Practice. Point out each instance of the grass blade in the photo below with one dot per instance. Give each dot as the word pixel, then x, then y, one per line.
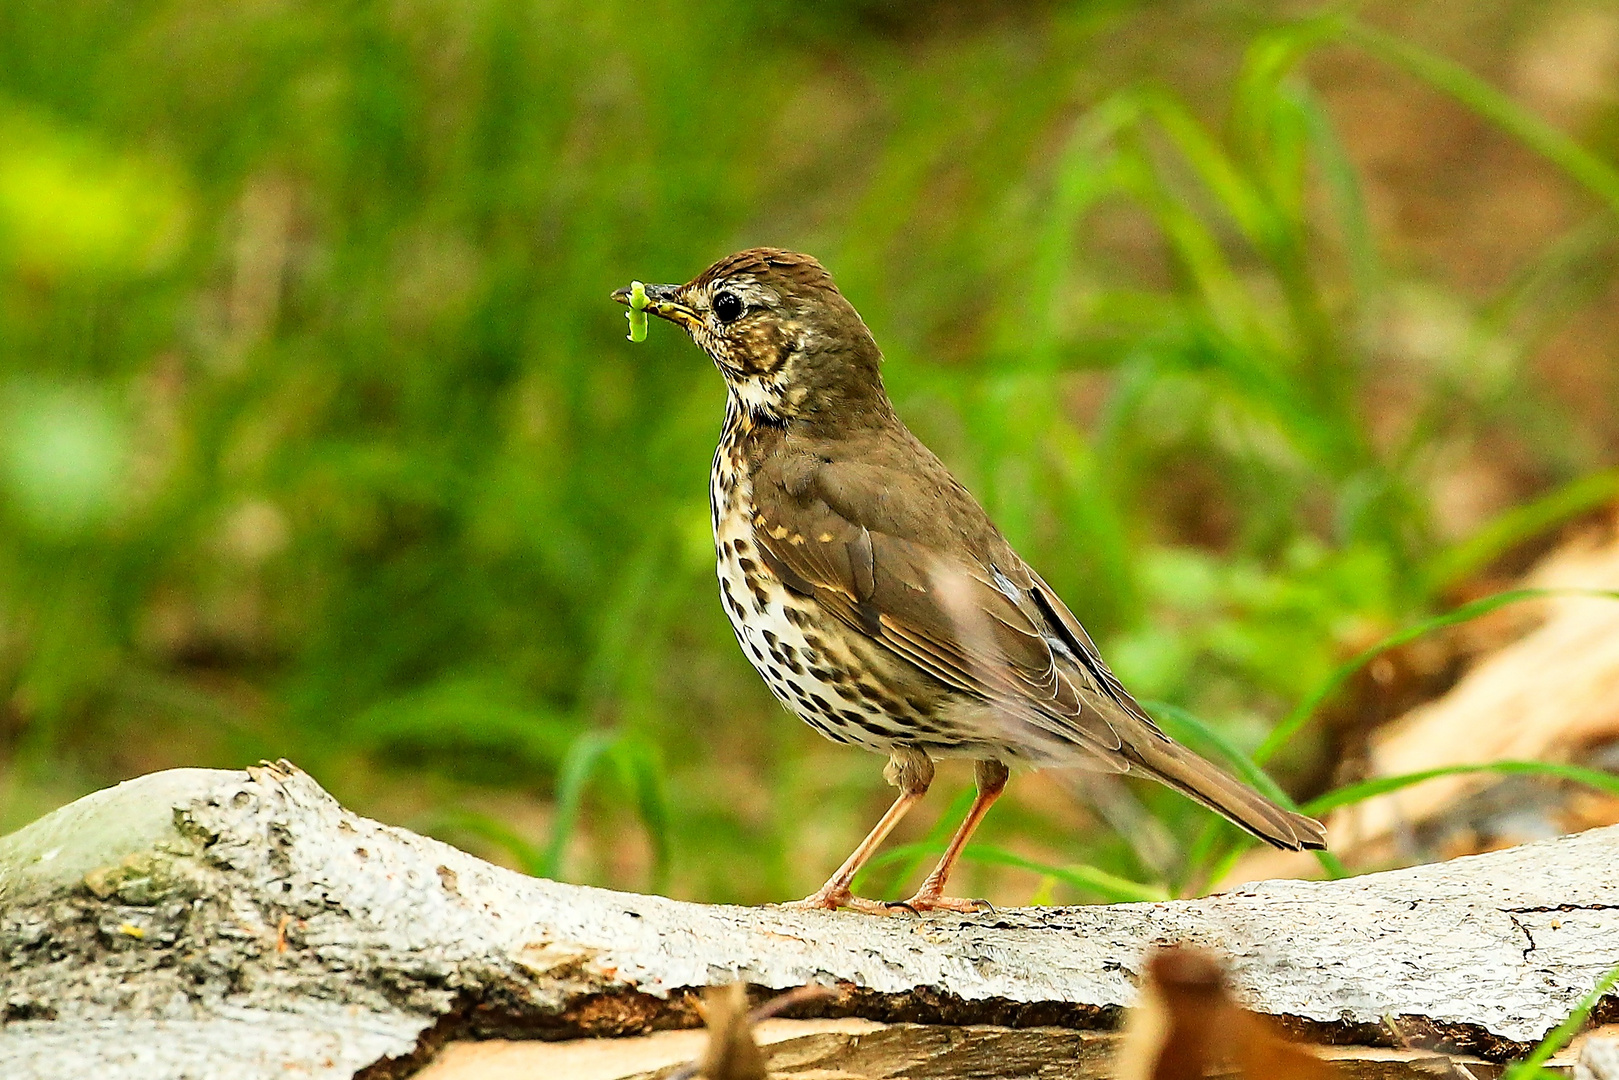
pixel 1601 178
pixel 1232 191
pixel 641 771
pixel 1366 789
pixel 1086 173
pixel 586 754
pixel 1248 766
pixel 1110 887
pixel 1224 301
pixel 1348 200
pixel 1530 1067
pixel 1517 525
pixel 1268 60
pixel 1305 711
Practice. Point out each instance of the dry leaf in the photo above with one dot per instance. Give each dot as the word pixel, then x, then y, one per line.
pixel 1187 1026
pixel 732 1054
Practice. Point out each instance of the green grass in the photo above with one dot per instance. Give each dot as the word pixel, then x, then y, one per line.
pixel 321 438
pixel 1531 1067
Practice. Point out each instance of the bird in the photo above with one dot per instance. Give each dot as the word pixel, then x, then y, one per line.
pixel 873 593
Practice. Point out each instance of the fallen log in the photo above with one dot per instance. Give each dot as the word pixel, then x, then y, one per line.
pixel 209 923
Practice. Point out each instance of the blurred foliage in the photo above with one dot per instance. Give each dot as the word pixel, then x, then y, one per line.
pixel 321 439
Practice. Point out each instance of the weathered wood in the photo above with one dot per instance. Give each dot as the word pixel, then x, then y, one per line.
pixel 833 1050
pixel 243 924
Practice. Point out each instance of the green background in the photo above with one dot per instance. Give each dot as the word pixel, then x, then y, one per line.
pixel 319 437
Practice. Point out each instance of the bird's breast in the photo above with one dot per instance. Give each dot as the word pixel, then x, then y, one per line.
pixel 844 685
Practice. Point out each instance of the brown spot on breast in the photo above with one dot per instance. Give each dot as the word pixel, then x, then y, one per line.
pixel 761 598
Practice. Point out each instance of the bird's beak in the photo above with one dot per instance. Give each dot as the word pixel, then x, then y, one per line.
pixel 662 301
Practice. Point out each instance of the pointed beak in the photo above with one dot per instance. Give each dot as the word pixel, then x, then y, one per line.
pixel 662 301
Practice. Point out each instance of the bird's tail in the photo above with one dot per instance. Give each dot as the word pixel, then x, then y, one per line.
pixel 1174 765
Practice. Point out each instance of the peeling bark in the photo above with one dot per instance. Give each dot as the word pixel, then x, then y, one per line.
pixel 243 924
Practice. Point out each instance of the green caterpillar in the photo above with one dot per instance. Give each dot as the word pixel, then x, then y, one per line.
pixel 637 312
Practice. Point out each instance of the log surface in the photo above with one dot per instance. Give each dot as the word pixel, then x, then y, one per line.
pixel 204 923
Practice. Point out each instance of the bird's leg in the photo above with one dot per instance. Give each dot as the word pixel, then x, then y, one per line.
pixel 991 777
pixel 911 771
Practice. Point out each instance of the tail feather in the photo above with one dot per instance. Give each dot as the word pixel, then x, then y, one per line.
pixel 1179 768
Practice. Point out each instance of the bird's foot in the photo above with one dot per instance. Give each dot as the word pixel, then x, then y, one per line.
pixel 925 901
pixel 829 898
pixel 825 899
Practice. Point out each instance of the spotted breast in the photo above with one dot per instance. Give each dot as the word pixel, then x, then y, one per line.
pixel 844 688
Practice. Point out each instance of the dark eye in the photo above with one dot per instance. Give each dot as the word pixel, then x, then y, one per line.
pixel 727 307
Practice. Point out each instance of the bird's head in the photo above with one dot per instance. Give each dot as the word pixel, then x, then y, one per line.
pixel 788 343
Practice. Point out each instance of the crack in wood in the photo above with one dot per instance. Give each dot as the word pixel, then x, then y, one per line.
pixel 1561 907
pixel 1524 930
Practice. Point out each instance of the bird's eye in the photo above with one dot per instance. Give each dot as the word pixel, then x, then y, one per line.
pixel 727 307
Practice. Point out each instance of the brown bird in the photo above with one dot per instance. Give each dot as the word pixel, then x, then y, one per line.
pixel 873 593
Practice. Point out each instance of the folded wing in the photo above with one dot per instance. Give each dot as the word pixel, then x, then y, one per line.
pixel 994 631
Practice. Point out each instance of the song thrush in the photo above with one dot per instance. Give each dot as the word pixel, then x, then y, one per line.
pixel 872 592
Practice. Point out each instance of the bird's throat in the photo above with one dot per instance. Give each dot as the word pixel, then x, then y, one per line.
pixel 763 399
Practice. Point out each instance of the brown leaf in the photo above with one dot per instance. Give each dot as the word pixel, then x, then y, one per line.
pixel 732 1053
pixel 1187 1026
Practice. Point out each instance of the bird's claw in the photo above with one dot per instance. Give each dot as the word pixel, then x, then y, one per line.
pixel 832 900
pixel 921 903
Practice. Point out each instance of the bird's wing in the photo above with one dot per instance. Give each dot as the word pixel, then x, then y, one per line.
pixel 1084 649
pixel 968 625
pixel 984 625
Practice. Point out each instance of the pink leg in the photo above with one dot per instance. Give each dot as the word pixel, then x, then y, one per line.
pixel 992 777
pixel 909 770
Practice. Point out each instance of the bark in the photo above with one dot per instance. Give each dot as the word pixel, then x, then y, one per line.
pixel 201 923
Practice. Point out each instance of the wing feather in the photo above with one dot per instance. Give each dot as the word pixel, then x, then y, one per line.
pixel 953 619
